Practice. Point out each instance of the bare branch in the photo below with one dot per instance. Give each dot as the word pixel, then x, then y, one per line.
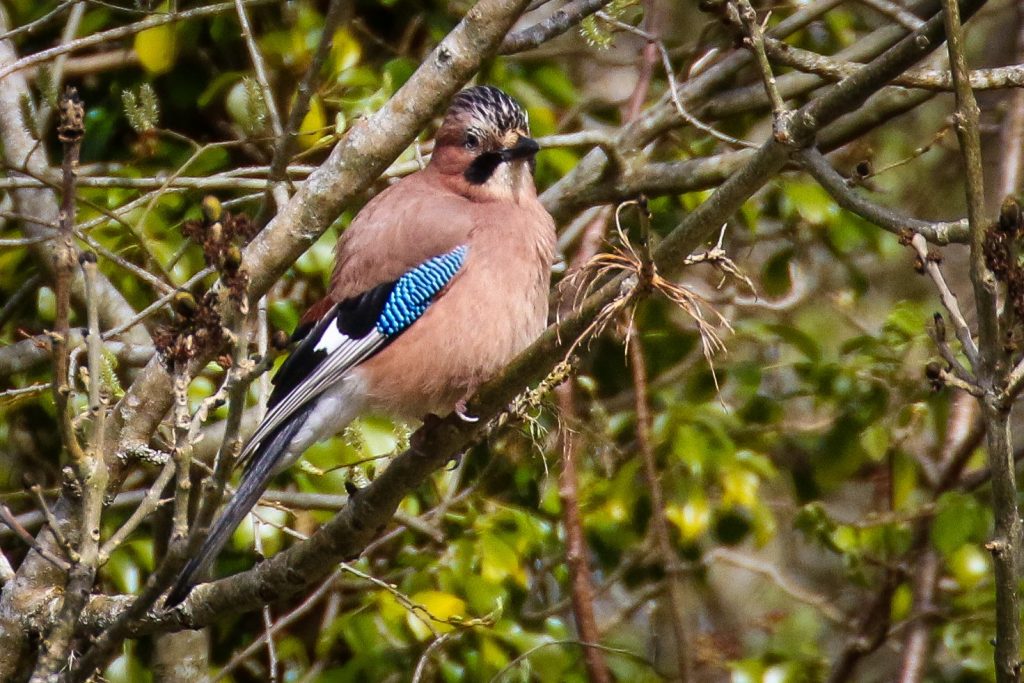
pixel 949 301
pixel 1005 546
pixel 300 107
pixel 558 23
pixel 12 523
pixel 907 19
pixel 676 606
pixel 833 68
pixel 747 17
pixel 888 219
pixel 115 34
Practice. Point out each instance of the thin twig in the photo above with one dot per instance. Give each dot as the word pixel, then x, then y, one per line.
pixel 12 523
pixel 260 68
pixel 36 24
pixel 115 34
pixel 755 39
pixel 23 392
pixel 300 107
pixel 949 300
pixel 834 68
pixel 157 305
pixel 905 18
pixel 268 619
pixel 284 622
pixel 888 219
pixel 677 100
pixel 771 571
pixel 511 666
pixel 149 503
pixel 52 523
pixel 424 661
pixel 659 527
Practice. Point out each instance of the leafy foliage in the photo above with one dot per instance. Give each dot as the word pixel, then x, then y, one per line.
pixel 796 474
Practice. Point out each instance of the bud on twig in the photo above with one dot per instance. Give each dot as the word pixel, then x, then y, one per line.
pixel 212 209
pixel 184 304
pixel 1010 215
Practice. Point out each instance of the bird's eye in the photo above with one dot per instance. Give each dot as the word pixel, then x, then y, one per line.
pixel 472 142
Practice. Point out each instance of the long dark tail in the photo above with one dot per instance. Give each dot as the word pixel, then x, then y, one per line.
pixel 254 481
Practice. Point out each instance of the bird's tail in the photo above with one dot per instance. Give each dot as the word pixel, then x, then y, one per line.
pixel 262 467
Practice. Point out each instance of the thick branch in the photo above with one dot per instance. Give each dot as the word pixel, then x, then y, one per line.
pixel 353 165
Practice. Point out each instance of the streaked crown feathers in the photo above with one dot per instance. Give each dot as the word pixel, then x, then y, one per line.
pixel 488 106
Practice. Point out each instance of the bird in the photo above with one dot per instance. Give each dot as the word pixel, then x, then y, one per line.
pixel 439 281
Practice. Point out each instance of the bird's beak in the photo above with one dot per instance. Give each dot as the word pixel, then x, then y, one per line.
pixel 524 148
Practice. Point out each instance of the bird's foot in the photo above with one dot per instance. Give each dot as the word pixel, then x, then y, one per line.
pixel 456 460
pixel 460 410
pixel 417 442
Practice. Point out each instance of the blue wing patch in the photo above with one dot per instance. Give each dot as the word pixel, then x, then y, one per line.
pixel 414 291
pixel 351 332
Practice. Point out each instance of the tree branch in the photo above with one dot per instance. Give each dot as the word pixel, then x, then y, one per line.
pixel 115 34
pixel 558 23
pixel 21 151
pixel 888 219
pixel 1005 546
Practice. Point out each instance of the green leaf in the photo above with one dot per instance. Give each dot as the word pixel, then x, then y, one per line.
pixel 959 519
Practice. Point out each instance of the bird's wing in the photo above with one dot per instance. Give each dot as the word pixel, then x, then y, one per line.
pixel 401 227
pixel 352 331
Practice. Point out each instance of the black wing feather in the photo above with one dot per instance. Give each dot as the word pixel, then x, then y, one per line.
pixel 355 318
pixel 258 473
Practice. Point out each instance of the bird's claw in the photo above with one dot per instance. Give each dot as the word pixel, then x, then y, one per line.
pixel 456 460
pixel 460 410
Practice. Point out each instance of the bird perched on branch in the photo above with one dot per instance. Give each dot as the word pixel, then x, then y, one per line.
pixel 439 281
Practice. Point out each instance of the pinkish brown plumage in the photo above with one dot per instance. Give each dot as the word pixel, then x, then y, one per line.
pixel 493 308
pixel 439 282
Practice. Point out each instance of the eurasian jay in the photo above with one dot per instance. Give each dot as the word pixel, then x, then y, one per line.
pixel 439 282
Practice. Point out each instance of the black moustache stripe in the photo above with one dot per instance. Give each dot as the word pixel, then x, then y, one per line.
pixel 483 167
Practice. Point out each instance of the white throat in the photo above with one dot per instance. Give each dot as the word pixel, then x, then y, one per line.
pixel 511 181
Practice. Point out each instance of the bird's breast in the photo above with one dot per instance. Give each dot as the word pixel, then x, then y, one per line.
pixel 494 308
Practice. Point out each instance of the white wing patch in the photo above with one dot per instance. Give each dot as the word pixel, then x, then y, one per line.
pixel 331 340
pixel 342 353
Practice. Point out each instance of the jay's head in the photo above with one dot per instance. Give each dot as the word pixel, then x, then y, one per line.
pixel 484 144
